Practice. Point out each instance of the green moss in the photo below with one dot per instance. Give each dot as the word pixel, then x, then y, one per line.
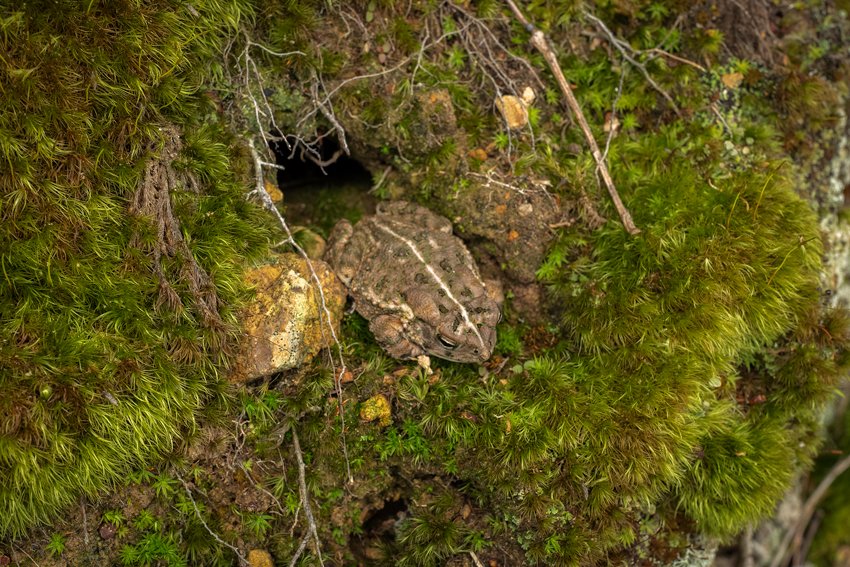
pixel 655 325
pixel 98 373
pixel 641 402
pixel 641 405
pixel 681 383
pixel 689 361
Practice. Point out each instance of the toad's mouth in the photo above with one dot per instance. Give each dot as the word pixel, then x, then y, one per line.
pixel 456 351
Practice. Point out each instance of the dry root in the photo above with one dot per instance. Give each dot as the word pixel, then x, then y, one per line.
pixel 152 201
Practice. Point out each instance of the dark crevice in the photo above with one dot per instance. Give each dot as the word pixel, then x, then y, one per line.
pixel 306 169
pixel 317 194
pixel 383 521
pixel 379 528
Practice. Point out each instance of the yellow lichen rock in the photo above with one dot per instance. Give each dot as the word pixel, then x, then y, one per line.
pixel 513 110
pixel 274 192
pixel 377 408
pixel 285 324
pixel 260 558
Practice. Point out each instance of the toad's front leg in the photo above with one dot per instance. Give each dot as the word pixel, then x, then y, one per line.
pixel 339 253
pixel 389 331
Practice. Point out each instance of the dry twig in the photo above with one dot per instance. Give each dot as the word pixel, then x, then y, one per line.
pixel 538 40
pixel 301 547
pixel 251 84
pixel 492 57
pixel 626 51
pixel 85 522
pixel 266 200
pixel 746 548
pixel 612 123
pixel 793 539
pixel 263 489
pixel 676 58
pixel 15 550
pixel 811 531
pixel 242 559
pixel 305 496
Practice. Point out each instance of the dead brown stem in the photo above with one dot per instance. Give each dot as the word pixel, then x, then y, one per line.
pixel 152 201
pixel 538 40
pixel 793 539
pixel 305 496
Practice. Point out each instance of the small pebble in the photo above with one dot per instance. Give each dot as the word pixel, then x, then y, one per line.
pixel 107 531
pixel 513 110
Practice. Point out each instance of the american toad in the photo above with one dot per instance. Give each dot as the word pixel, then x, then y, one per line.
pixel 416 284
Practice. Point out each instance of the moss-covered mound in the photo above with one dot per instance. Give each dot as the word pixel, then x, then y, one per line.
pixel 677 379
pixel 647 391
pixel 690 361
pixel 122 228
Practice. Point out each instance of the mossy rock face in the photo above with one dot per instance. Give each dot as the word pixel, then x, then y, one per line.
pixel 670 392
pixel 680 369
pixel 511 217
pixel 124 228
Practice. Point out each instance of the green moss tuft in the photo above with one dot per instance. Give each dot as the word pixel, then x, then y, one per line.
pixel 741 469
pixel 109 350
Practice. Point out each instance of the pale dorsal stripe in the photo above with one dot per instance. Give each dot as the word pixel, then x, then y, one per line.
pixel 464 314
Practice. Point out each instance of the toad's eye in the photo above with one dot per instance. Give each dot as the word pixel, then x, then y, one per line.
pixel 446 342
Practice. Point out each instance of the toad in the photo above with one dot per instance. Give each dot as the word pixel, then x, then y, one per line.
pixel 416 283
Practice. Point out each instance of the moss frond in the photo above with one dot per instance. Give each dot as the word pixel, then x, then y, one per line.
pixel 96 377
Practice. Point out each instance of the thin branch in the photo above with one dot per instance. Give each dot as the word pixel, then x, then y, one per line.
pixel 85 522
pixel 538 40
pixel 262 489
pixel 719 116
pixel 344 82
pixel 622 46
pixel 243 560
pixel 320 104
pixel 612 123
pixel 301 547
pixel 266 200
pixel 794 536
pixel 327 111
pixel 271 52
pixel 322 163
pixel 381 179
pixel 746 547
pixel 694 64
pixel 305 497
pixel 24 551
pixel 478 47
pixel 488 31
pixel 811 531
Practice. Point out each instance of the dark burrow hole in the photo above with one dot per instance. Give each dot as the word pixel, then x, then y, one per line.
pixel 311 183
pixel 379 528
